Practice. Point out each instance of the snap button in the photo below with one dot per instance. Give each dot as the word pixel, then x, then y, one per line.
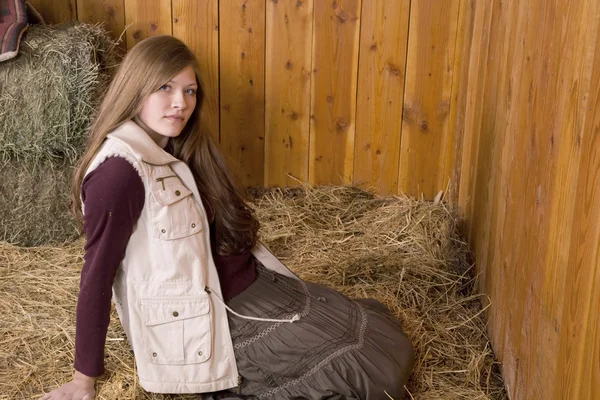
pixel 199 353
pixel 163 230
pixel 154 354
pixel 175 314
pixel 193 225
pixel 177 193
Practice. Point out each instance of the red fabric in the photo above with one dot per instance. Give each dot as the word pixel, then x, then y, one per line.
pixel 13 22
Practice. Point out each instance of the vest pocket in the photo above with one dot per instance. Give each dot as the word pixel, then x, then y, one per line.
pixel 176 214
pixel 176 330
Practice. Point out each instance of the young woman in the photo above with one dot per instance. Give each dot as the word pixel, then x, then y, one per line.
pixel 206 308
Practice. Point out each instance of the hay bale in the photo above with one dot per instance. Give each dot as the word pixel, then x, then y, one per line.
pixel 34 204
pixel 49 91
pixel 405 253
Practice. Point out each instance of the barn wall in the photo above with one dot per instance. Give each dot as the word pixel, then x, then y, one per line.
pixel 529 106
pixel 312 90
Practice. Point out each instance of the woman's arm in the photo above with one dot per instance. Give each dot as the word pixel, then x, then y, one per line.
pixel 113 195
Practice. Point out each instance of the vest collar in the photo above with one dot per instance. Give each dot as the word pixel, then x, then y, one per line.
pixel 143 147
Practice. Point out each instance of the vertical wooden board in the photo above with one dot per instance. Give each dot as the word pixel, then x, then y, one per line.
pixel 428 89
pixel 381 73
pixel 196 23
pixel 579 349
pixel 145 18
pixel 580 327
pixel 333 98
pixel 287 90
pixel 458 105
pixel 542 112
pixel 242 83
pixel 473 111
pixel 56 11
pixel 492 169
pixel 109 12
pixel 521 186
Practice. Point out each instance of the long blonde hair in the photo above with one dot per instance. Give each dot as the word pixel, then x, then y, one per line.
pixel 146 67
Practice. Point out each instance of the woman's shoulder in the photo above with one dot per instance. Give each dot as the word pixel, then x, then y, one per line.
pixel 116 178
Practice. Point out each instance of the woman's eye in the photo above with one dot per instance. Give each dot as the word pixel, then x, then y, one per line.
pixel 164 87
pixel 190 91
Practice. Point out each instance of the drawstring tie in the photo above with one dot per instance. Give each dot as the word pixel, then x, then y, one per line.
pixel 295 318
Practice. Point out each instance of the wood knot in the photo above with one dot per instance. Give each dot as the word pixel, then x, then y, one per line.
pixel 424 126
pixel 342 17
pixel 288 65
pixel 137 34
pixel 153 26
pixel 330 99
pixel 110 10
pixel 373 46
pixel 394 70
pixel 341 124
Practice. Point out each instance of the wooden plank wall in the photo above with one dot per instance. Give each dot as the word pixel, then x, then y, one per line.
pixel 527 126
pixel 326 92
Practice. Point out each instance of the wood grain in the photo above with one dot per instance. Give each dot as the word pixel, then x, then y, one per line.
pixel 429 70
pixel 242 87
pixel 333 96
pixel 196 23
pixel 528 179
pixel 145 18
pixel 287 91
pixel 56 11
pixel 383 44
pixel 111 13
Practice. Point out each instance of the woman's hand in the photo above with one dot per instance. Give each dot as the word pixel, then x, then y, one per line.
pixel 80 388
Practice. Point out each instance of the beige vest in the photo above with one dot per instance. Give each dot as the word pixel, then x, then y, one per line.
pixel 177 328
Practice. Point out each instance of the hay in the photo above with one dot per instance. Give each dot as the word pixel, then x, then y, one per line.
pixel 405 253
pixel 34 204
pixel 48 93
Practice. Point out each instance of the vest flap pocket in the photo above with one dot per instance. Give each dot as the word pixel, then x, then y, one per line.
pixel 167 193
pixel 158 311
pixel 177 330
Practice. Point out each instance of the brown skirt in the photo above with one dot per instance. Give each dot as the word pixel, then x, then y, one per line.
pixel 339 349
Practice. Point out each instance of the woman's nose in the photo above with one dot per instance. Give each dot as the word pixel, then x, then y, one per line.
pixel 179 100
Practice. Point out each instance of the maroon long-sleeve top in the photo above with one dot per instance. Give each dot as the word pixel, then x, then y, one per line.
pixel 113 196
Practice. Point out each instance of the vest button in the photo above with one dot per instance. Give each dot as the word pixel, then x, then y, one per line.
pixel 154 354
pixel 193 225
pixel 175 314
pixel 200 353
pixel 163 230
pixel 177 193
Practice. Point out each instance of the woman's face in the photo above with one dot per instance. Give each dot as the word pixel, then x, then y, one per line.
pixel 166 111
